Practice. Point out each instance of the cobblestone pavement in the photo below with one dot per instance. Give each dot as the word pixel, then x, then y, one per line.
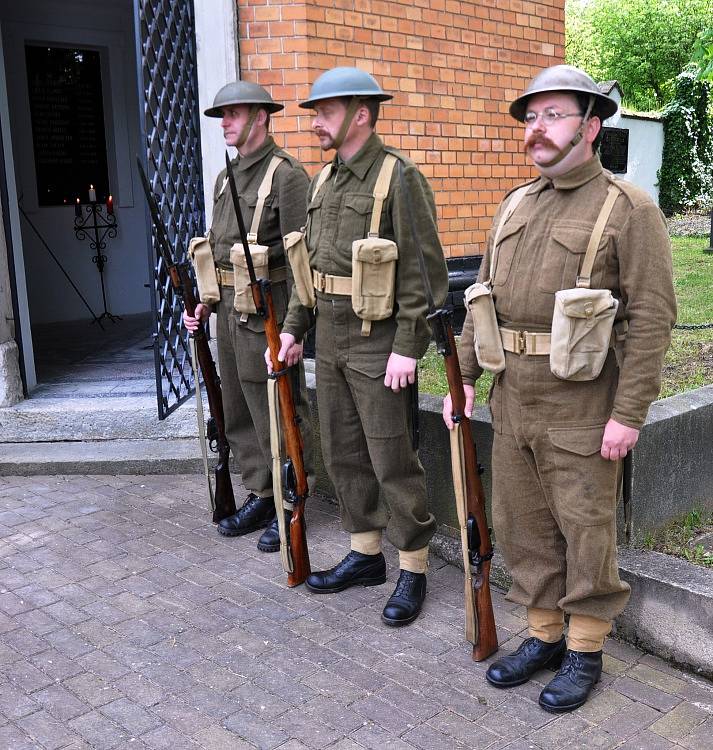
pixel 126 621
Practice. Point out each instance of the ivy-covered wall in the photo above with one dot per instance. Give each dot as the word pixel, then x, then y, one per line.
pixel 686 174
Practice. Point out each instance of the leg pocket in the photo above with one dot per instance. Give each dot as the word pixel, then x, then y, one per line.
pixel 383 413
pixel 585 483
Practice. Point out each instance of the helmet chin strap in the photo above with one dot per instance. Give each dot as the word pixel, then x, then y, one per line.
pixel 352 107
pixel 245 132
pixel 575 140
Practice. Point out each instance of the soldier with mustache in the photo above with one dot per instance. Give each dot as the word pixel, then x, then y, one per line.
pixel 359 254
pixel 559 441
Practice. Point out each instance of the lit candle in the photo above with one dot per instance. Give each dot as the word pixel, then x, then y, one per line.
pixel 77 208
pixel 110 206
pixel 92 194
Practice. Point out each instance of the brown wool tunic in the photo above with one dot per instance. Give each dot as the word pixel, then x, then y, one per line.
pixel 554 496
pixel 541 250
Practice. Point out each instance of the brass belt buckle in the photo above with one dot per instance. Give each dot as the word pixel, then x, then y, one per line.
pixel 322 279
pixel 521 342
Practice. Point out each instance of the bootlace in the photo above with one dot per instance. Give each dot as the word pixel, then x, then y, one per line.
pixel 251 500
pixel 406 580
pixel 571 663
pixel 345 562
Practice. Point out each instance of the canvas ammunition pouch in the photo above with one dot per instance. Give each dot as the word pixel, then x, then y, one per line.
pixel 298 258
pixel 479 302
pixel 374 260
pixel 298 255
pixel 201 257
pixel 583 318
pixel 243 300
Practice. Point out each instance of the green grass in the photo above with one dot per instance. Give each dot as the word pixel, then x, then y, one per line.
pixel 677 538
pixel 689 361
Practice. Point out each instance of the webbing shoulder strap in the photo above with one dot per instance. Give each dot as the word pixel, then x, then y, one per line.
pixel 508 211
pixel 585 275
pixel 262 192
pixel 381 190
pixel 323 177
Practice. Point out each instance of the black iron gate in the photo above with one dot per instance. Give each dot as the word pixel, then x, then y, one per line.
pixel 168 98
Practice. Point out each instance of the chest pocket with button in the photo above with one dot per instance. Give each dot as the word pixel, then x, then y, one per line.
pixel 563 255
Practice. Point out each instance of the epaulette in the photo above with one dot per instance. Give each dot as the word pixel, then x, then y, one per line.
pixel 633 193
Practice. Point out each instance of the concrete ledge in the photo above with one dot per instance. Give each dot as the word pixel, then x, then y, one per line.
pixel 174 456
pixel 670 613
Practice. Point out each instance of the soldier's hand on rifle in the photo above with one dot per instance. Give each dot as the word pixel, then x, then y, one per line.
pixel 618 440
pixel 469 391
pixel 400 371
pixel 202 314
pixel 290 351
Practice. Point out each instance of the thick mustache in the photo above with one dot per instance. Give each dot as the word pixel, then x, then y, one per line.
pixel 535 138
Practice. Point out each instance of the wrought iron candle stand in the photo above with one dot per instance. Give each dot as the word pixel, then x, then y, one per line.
pixel 91 223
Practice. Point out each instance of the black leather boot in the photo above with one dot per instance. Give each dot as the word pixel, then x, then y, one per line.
pixel 570 687
pixel 255 513
pixel 404 605
pixel 269 541
pixel 532 655
pixel 356 569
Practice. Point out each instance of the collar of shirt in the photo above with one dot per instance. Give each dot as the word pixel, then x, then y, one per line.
pixel 571 180
pixel 360 163
pixel 245 162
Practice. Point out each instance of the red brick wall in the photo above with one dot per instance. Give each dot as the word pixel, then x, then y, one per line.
pixel 453 68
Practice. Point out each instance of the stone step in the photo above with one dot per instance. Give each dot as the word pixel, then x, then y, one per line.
pixel 94 419
pixel 152 456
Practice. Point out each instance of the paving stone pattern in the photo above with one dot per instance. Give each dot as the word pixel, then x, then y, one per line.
pixel 126 621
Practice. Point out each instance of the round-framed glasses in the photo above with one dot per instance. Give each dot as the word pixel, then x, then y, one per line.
pixel 548 116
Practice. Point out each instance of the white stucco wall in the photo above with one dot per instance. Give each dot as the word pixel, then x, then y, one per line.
pixel 645 147
pixel 217 53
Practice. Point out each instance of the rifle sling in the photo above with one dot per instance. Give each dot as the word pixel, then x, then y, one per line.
pixel 201 422
pixel 275 443
pixel 459 489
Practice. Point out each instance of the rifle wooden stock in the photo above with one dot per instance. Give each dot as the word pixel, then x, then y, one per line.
pixel 294 446
pixel 478 548
pixel 224 502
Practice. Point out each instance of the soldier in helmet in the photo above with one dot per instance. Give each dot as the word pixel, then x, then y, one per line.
pixel 574 245
pixel 360 254
pixel 244 111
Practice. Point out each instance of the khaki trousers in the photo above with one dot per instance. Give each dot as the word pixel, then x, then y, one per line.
pixel 554 496
pixel 366 431
pixel 243 377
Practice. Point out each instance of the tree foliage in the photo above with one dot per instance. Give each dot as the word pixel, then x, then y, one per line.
pixel 642 44
pixel 703 54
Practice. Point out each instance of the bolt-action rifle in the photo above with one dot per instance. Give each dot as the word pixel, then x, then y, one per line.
pixel 293 475
pixel 223 500
pixel 468 489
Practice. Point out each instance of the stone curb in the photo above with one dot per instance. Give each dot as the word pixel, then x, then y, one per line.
pixel 670 613
pixel 157 456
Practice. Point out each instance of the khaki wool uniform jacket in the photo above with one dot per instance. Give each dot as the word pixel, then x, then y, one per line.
pixel 554 496
pixel 242 343
pixel 365 427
